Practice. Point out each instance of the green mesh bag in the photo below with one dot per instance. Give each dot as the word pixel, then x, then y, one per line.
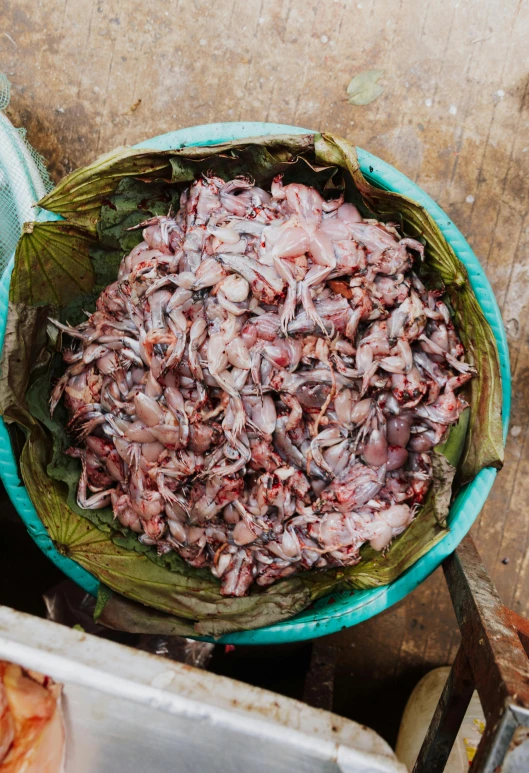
pixel 23 180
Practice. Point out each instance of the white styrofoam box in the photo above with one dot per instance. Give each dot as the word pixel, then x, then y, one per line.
pixel 127 710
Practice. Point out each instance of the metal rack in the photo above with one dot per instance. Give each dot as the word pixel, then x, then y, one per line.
pixel 493 659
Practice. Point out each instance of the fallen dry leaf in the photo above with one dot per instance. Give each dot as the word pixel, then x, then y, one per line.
pixel 364 87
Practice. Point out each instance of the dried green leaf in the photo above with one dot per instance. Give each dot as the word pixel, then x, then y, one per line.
pixel 452 448
pixel 24 350
pixel 133 202
pixel 80 196
pixel 445 459
pixel 52 264
pixel 364 87
pixel 121 614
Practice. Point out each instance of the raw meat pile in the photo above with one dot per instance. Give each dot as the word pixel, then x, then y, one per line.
pixel 261 388
pixel 32 733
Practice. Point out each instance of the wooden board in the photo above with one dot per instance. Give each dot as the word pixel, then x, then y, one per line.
pixel 89 75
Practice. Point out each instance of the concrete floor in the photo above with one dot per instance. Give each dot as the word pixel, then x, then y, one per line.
pixel 89 75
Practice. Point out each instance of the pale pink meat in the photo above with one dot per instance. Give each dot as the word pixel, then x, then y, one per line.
pixel 262 388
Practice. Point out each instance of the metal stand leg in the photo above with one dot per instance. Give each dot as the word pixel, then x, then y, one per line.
pixel 491 659
pixel 448 717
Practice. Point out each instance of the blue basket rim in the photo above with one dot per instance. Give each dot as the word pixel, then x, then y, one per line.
pixel 344 609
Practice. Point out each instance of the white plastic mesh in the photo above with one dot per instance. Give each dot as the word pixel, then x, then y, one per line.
pixel 5 91
pixel 23 180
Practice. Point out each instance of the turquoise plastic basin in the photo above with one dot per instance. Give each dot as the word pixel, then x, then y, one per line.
pixel 341 610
